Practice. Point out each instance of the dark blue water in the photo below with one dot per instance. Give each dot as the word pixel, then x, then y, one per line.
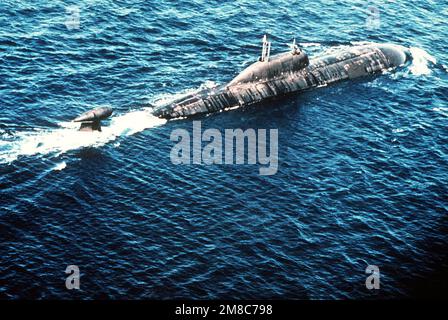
pixel 362 166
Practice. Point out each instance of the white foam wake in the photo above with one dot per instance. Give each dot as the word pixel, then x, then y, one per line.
pixel 67 137
pixel 421 61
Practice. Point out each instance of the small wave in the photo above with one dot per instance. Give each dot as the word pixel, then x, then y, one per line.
pixel 441 110
pixel 124 11
pixel 361 43
pixel 60 166
pixel 247 62
pixel 421 61
pixel 309 44
pixel 66 138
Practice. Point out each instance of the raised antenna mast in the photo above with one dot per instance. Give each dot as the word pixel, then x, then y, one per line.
pixel 266 51
pixel 294 47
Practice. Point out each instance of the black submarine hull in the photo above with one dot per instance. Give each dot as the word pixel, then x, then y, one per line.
pixel 91 120
pixel 247 89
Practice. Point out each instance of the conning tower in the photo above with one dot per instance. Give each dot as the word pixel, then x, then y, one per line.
pixel 268 68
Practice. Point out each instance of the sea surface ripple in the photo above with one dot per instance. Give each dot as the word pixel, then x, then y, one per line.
pixel 363 166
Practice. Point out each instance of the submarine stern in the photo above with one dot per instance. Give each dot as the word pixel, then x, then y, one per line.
pixel 91 120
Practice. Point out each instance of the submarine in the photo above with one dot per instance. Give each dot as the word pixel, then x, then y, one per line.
pixel 91 120
pixel 287 73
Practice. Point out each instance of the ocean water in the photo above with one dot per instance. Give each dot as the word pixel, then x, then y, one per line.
pixel 363 168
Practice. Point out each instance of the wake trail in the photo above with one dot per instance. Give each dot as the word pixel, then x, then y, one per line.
pixel 67 137
pixel 422 61
pixel 51 141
